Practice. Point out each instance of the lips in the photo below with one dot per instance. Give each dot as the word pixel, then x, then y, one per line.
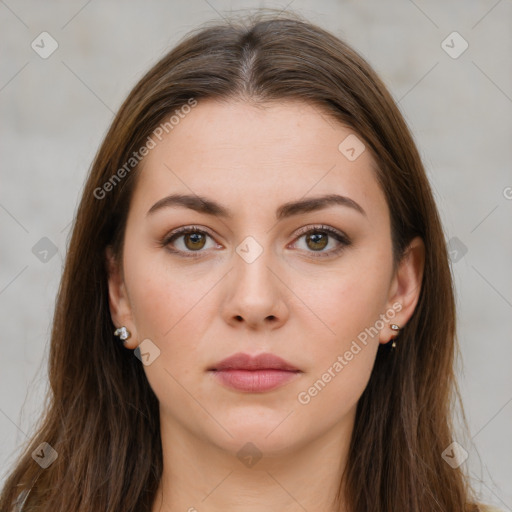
pixel 264 361
pixel 254 374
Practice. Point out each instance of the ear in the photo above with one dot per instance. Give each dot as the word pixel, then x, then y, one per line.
pixel 119 303
pixel 405 287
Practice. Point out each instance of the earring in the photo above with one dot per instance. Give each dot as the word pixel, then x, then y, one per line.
pixel 123 333
pixel 395 328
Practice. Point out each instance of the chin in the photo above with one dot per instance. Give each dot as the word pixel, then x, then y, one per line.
pixel 270 435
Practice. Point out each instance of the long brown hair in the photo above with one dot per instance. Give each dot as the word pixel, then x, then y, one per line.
pixel 102 417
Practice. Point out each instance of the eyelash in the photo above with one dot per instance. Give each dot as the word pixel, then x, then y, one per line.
pixel 334 233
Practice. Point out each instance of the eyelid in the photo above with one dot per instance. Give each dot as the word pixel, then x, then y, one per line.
pixel 187 229
pixel 323 227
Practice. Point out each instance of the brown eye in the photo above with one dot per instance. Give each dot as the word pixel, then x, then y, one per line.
pixel 189 241
pixel 317 241
pixel 322 241
pixel 194 241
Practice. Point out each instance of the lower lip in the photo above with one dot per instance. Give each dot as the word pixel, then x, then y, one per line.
pixel 254 381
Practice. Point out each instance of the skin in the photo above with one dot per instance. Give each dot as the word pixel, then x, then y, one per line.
pixel 289 301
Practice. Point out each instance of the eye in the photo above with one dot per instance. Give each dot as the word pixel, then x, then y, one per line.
pixel 317 238
pixel 188 239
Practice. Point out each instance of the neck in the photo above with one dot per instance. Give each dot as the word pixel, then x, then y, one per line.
pixel 201 476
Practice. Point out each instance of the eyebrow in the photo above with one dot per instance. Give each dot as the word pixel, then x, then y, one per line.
pixel 211 207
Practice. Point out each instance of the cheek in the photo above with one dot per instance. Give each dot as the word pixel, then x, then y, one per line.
pixel 351 305
pixel 349 299
pixel 170 309
pixel 161 298
pixel 174 309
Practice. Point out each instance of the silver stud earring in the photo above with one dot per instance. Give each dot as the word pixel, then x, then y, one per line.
pixel 123 333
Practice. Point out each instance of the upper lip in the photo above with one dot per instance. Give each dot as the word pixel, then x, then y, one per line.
pixel 265 361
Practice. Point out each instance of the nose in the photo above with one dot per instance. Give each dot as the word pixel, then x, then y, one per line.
pixel 257 295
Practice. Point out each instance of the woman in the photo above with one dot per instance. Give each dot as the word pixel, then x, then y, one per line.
pixel 256 311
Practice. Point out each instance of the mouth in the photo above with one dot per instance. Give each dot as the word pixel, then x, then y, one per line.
pixel 254 374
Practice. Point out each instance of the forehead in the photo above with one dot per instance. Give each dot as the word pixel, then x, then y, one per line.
pixel 248 156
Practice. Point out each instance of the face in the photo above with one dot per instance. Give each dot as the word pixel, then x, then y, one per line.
pixel 248 271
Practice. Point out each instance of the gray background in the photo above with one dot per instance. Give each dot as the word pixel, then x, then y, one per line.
pixel 55 112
